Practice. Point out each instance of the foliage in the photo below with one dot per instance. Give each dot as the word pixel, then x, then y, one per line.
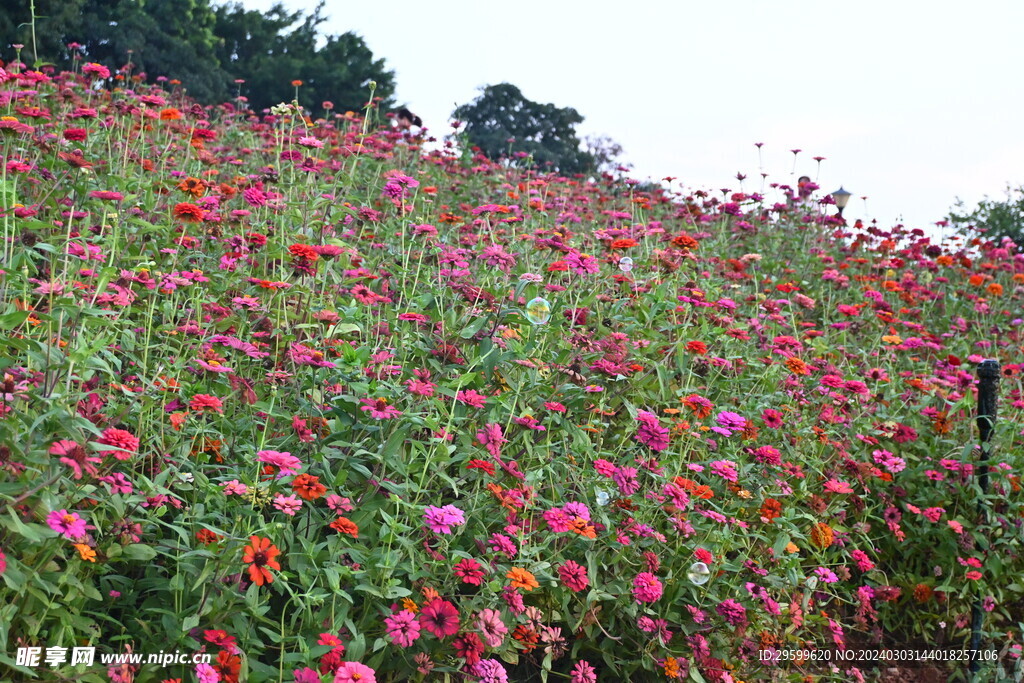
pixel 502 122
pixel 997 219
pixel 260 49
pixel 205 48
pixel 272 387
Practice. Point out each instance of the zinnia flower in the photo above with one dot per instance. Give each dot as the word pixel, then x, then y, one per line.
pixel 379 408
pixel 189 213
pixel 440 618
pixel 402 628
pixel 119 438
pixel 68 524
pixel 203 402
pixel 259 555
pixel 285 462
pixel 522 579
pixel 441 520
pixel 574 576
pixel 646 587
pixel 354 672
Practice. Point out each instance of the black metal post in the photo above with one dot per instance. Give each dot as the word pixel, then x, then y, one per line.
pixel 988 392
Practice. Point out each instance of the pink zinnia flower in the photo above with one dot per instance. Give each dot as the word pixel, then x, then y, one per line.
pixel 836 486
pixel 651 433
pixel 285 462
pixel 583 673
pixel 492 438
pixel 441 520
pixel 471 397
pixel 725 469
pixel 354 672
pixel 119 438
pixel 440 618
pixel 68 524
pixel 402 628
pixel 206 674
pixel 289 505
pixel 234 488
pixel 646 587
pixel 733 612
pixel 75 456
pixel 488 622
pixel 379 408
pixel 574 576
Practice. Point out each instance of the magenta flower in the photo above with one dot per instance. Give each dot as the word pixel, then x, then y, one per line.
pixel 441 520
pixel 75 456
pixel 725 469
pixel 379 408
pixel 729 422
pixel 402 628
pixel 733 612
pixel 574 576
pixel 651 433
pixel 646 587
pixel 583 672
pixel 68 524
pixel 354 672
pixel 471 397
pixel 491 671
pixel 492 438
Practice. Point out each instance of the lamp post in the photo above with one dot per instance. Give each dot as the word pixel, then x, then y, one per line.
pixel 842 198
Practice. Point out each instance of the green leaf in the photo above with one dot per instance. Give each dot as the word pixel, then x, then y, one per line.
pixel 139 551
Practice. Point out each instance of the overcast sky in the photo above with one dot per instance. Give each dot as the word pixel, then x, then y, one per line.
pixel 912 103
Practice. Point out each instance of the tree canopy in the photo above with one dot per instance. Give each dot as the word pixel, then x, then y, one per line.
pixel 501 121
pixel 207 48
pixel 998 218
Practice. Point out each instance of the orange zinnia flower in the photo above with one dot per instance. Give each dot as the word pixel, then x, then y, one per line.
pixel 259 555
pixel 796 366
pixel 522 579
pixel 308 487
pixel 193 186
pixel 821 535
pixel 344 525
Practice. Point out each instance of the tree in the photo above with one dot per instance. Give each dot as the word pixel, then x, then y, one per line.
pixel 502 121
pixel 998 218
pixel 172 38
pixel 259 49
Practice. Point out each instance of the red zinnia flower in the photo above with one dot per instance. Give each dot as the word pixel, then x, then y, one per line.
pixel 189 213
pixel 440 618
pixel 469 571
pixel 259 555
pixel 203 402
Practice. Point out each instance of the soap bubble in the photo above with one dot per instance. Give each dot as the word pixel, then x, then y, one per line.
pixel 538 311
pixel 625 264
pixel 604 496
pixel 698 573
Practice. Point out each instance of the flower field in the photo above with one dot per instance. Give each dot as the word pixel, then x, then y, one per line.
pixel 330 403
